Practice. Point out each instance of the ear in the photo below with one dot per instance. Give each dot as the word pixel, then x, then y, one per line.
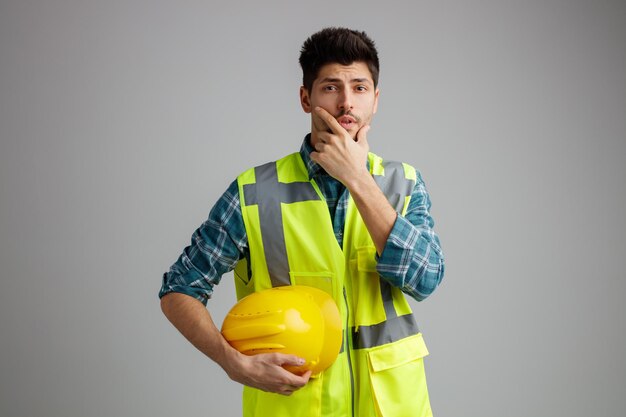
pixel 305 100
pixel 376 101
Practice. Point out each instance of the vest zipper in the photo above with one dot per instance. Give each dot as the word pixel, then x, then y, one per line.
pixel 348 349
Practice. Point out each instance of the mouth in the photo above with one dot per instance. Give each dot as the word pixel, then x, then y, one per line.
pixel 347 122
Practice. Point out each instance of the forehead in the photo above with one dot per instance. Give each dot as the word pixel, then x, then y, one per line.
pixel 334 71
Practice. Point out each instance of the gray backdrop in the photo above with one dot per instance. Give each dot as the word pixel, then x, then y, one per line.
pixel 122 122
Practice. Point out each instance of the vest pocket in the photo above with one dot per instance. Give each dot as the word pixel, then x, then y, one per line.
pixel 366 259
pixel 397 378
pixel 367 297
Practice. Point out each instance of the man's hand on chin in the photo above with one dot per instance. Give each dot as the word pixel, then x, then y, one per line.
pixel 342 156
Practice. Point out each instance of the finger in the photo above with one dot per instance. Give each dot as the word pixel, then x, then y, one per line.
pixel 306 376
pixel 322 143
pixel 319 124
pixel 287 391
pixel 295 382
pixel 300 380
pixel 291 388
pixel 329 120
pixel 284 359
pixel 361 135
pixel 323 136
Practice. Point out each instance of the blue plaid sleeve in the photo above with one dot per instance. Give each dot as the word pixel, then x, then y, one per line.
pixel 216 247
pixel 412 259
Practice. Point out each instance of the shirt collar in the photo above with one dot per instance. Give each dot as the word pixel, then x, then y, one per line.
pixel 312 167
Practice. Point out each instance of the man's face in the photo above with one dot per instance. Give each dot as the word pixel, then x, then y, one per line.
pixel 345 91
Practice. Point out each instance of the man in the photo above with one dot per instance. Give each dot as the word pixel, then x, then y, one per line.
pixel 333 216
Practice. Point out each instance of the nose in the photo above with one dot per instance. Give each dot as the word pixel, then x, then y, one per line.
pixel 345 101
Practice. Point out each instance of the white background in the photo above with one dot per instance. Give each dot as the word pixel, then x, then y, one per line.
pixel 122 122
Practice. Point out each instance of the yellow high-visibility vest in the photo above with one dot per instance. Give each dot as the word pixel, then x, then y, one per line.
pixel 379 371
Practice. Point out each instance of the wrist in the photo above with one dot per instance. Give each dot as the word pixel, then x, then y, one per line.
pixel 359 182
pixel 232 362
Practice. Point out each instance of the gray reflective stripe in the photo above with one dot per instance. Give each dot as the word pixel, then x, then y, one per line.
pixel 268 194
pixel 388 331
pixel 394 184
pixel 396 188
pixel 385 292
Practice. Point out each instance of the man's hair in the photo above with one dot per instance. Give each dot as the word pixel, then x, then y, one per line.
pixel 336 46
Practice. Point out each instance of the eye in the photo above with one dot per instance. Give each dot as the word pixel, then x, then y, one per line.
pixel 361 88
pixel 330 88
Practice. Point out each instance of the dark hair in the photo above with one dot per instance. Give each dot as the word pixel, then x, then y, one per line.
pixel 336 45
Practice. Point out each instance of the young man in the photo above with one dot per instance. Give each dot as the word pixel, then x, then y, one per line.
pixel 367 222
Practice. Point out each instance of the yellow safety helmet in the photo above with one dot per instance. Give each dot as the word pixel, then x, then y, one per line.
pixel 299 320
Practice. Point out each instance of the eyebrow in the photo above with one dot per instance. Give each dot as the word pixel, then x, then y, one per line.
pixel 337 80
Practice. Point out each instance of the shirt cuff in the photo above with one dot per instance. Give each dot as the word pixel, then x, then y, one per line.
pixel 200 294
pixel 393 263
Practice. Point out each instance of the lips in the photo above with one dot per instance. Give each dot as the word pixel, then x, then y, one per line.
pixel 347 122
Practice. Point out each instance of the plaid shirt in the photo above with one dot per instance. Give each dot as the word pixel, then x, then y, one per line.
pixel 411 260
